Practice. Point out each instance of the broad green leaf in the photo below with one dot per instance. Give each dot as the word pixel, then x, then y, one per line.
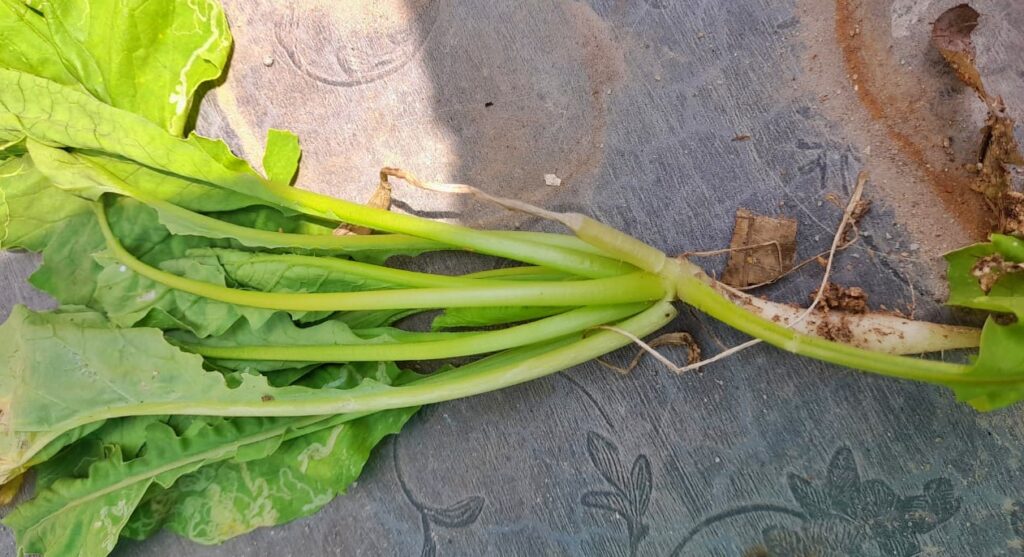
pixel 76 271
pixel 178 202
pixel 73 461
pixel 68 273
pixel 130 299
pixel 91 175
pixel 59 116
pixel 105 373
pixel 41 459
pixel 238 474
pixel 145 57
pixel 61 226
pixel 259 272
pixel 281 156
pixel 90 528
pixel 80 352
pixel 232 497
pixel 1000 355
pixel 27 45
pixel 84 516
pixel 222 501
pixel 108 373
pixel 64 228
pixel 19 452
pixel 33 210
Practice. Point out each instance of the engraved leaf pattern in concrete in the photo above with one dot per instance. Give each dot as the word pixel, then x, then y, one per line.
pixel 630 493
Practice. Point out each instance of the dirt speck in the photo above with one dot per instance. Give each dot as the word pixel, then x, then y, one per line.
pixel 835 331
pixel 850 299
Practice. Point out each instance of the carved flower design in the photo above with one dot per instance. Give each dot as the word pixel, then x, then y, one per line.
pixel 631 491
pixel 456 515
pixel 848 513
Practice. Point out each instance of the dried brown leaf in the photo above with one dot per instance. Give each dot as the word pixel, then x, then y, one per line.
pixel 951 34
pixel 761 250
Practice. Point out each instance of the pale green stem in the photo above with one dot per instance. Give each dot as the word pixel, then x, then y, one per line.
pixel 208 226
pixel 490 374
pixel 253 237
pixel 501 245
pixel 462 345
pixel 634 287
pixel 469 381
pixel 559 248
pixel 523 272
pixel 566 241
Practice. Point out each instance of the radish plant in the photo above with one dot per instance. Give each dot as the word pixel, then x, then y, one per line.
pixel 213 325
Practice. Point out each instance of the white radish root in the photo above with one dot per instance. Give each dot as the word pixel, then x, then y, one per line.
pixel 880 332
